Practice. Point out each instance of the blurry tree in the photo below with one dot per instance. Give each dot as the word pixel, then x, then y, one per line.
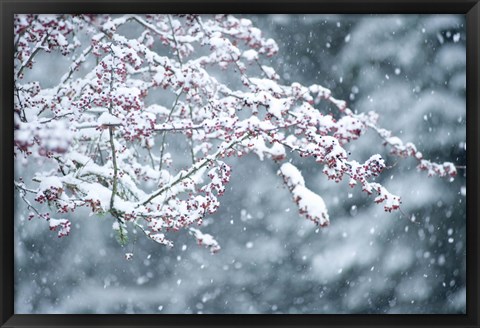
pixel 411 69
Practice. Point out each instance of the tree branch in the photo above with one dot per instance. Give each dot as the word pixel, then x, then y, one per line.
pixel 34 52
pixel 183 175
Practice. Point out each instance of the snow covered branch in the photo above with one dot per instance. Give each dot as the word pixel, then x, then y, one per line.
pixel 105 124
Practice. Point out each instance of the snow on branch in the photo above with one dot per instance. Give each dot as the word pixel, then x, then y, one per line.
pixel 205 239
pixel 309 203
pixel 62 225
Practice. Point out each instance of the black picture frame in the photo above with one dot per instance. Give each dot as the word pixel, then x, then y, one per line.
pixel 471 9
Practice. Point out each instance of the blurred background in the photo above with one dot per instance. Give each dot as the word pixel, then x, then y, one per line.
pixel 408 68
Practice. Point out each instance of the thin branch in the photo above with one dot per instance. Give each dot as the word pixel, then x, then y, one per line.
pixel 20 185
pixel 148 26
pixel 164 136
pixel 81 127
pixel 183 175
pixel 23 192
pixel 77 63
pixel 55 118
pixel 151 157
pixel 185 128
pixel 22 115
pixel 35 51
pixel 115 170
pixel 192 154
pixel 112 146
pixel 162 150
pixel 175 40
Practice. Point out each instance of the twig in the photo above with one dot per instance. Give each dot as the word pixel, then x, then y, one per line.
pixel 23 191
pixel 164 136
pixel 112 146
pixel 183 175
pixel 35 51
pixel 192 154
pixel 175 41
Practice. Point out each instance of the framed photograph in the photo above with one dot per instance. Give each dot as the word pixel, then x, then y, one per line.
pixel 233 164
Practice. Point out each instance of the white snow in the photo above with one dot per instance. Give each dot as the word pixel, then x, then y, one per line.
pixel 49 182
pixel 108 119
pixel 309 203
pixel 205 239
pixel 250 55
pixel 292 175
